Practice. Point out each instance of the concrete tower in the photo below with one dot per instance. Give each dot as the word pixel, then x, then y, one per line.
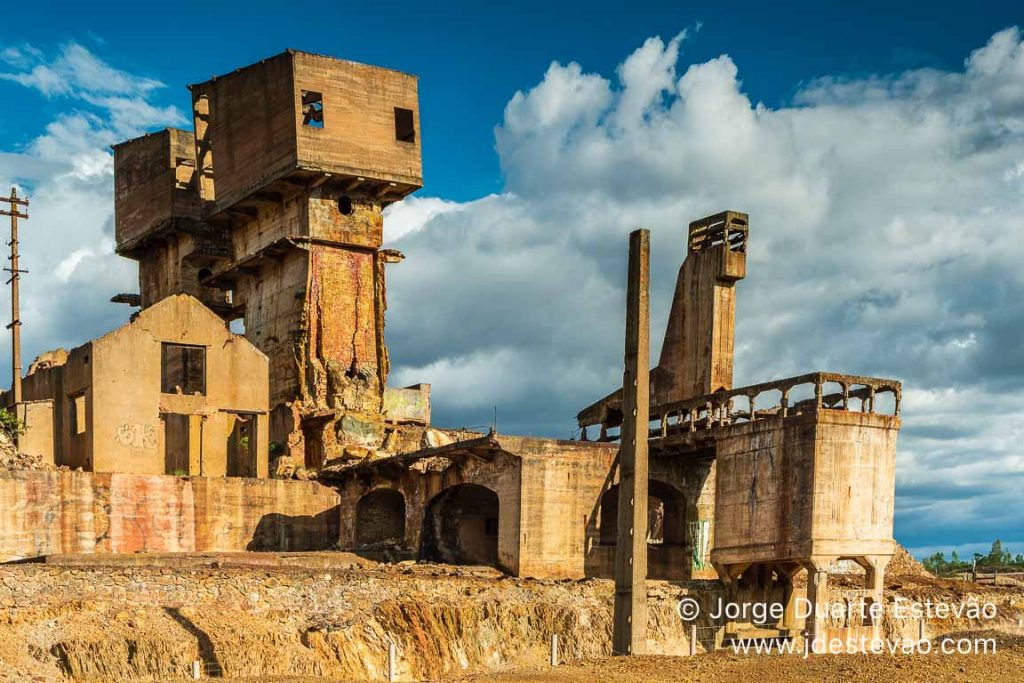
pixel 697 353
pixel 292 162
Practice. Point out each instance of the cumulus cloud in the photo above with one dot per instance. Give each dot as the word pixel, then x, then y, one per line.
pixel 67 170
pixel 886 215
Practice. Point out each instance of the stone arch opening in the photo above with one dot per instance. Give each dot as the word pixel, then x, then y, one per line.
pixel 380 517
pixel 460 526
pixel 666 515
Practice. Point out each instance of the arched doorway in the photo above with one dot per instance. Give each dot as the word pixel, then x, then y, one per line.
pixel 667 553
pixel 380 517
pixel 666 515
pixel 460 526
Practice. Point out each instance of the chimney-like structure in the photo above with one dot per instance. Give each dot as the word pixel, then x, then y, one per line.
pixel 697 354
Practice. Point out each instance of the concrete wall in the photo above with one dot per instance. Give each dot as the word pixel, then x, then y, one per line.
pixel 550 494
pixel 118 377
pixel 43 513
pixel 818 484
pixel 37 418
pixel 253 118
pixel 421 485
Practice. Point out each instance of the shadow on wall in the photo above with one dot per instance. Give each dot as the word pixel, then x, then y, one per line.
pixel 277 532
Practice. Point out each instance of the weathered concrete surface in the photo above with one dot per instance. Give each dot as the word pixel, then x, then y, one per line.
pixel 111 413
pixel 818 485
pixel 630 612
pixel 43 513
pixel 552 495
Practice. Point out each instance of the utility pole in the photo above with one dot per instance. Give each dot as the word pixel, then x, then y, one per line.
pixel 630 615
pixel 15 271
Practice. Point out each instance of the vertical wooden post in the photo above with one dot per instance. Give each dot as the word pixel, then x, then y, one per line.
pixel 630 616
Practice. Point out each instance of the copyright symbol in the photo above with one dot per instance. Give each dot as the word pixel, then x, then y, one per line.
pixel 688 609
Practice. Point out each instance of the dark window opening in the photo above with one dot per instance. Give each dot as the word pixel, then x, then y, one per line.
pixel 241 447
pixel 312 109
pixel 491 526
pixel 405 127
pixel 203 274
pixel 183 369
pixel 345 205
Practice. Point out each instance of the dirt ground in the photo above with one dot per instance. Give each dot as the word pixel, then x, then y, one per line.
pixel 1005 665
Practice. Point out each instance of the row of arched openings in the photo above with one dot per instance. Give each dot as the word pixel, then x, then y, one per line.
pixel 460 524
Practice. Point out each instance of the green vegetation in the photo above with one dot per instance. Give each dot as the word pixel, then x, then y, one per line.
pixel 998 559
pixel 9 423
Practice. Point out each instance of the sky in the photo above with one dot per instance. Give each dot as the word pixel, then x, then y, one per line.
pixel 879 151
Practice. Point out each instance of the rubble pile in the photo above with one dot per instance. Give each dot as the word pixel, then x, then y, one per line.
pixel 904 564
pixel 11 459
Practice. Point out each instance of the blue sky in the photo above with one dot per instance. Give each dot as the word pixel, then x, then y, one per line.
pixel 879 150
pixel 471 57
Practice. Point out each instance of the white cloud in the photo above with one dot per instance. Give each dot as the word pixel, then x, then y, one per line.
pixel 67 169
pixel 885 240
pixel 886 220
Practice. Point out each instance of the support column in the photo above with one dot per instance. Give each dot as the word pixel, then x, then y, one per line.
pixel 875 566
pixel 817 596
pixel 630 615
pixel 786 572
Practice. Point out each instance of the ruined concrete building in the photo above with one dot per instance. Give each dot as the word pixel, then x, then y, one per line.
pixel 270 211
pixel 172 392
pixel 751 485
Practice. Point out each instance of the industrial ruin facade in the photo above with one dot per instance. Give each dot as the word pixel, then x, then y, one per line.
pixel 270 211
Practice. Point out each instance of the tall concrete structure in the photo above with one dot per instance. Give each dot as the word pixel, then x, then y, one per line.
pixel 271 212
pixel 696 355
pixel 630 611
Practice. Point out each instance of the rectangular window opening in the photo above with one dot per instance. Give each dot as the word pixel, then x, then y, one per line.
pixel 183 369
pixel 312 109
pixel 405 126
pixel 77 414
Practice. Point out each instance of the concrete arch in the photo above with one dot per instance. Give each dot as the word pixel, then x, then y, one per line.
pixel 460 526
pixel 380 517
pixel 666 515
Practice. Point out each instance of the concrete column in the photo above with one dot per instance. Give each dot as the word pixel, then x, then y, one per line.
pixel 630 614
pixel 875 566
pixel 817 596
pixel 786 573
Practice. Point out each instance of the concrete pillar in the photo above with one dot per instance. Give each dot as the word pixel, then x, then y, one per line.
pixel 786 574
pixel 817 596
pixel 874 566
pixel 630 614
